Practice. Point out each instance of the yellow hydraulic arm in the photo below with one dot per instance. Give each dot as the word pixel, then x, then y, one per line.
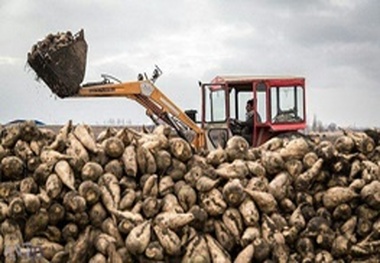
pixel 150 97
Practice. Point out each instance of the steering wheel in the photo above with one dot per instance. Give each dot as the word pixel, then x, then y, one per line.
pixel 235 126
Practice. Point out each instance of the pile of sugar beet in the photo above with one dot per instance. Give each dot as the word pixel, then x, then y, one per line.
pixel 132 196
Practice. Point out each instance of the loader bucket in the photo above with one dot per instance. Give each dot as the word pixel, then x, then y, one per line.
pixel 61 67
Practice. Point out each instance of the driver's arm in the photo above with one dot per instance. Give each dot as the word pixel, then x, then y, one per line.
pixel 248 123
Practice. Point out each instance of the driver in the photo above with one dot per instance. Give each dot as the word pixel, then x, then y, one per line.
pixel 247 125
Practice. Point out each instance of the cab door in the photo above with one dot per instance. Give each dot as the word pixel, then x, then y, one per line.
pixel 261 132
pixel 255 90
pixel 215 113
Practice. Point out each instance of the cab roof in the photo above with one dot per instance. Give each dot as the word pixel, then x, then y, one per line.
pixel 225 79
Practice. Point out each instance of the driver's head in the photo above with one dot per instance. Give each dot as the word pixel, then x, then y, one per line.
pixel 249 106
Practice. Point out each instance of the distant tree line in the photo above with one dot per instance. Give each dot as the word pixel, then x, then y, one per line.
pixel 318 126
pixel 117 122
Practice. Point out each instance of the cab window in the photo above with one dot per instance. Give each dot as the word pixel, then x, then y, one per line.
pixel 287 104
pixel 215 105
pixel 243 97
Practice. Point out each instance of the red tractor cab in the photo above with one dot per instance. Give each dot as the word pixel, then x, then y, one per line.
pixel 279 101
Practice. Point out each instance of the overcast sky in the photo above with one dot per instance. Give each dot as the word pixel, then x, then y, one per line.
pixel 334 44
